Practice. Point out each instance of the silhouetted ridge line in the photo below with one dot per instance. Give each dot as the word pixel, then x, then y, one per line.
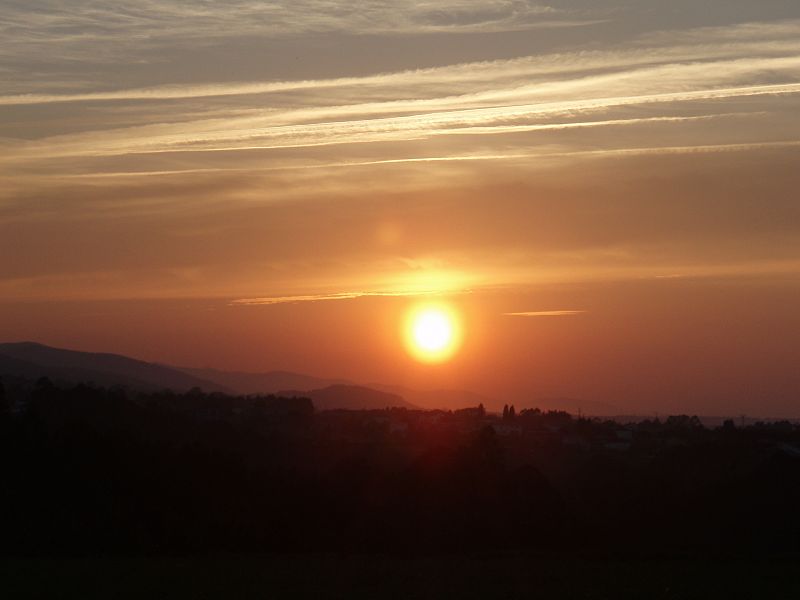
pixel 35 360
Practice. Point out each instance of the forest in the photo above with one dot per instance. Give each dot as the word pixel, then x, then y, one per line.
pixel 93 471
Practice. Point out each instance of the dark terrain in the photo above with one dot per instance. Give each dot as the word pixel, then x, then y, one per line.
pixel 109 491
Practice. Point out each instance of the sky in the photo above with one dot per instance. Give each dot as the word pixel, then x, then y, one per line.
pixel 604 190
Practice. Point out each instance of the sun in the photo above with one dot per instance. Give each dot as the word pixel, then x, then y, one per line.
pixel 432 332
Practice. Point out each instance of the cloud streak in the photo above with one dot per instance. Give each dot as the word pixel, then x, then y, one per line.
pixel 336 296
pixel 234 135
pixel 546 313
pixel 532 95
pixel 113 31
pixel 185 133
pixel 485 74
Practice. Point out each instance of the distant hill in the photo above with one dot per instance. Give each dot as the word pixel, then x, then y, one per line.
pixel 573 406
pixel 269 382
pixel 351 397
pixel 272 382
pixel 31 360
pixel 436 399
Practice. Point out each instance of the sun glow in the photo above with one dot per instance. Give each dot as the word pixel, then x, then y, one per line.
pixel 433 333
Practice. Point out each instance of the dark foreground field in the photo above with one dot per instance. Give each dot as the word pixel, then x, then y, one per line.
pixel 110 495
pixel 384 577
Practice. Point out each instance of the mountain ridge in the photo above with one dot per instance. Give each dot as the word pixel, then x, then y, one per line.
pixel 263 382
pixel 35 360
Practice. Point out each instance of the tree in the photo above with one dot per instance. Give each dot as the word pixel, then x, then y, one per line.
pixel 512 413
pixel 43 384
pixel 505 411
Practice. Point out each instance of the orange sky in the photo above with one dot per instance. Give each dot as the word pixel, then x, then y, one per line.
pixel 271 185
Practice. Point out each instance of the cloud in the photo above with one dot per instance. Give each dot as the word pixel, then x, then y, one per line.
pixel 551 166
pixel 235 135
pixel 485 76
pixel 97 31
pixel 536 94
pixel 546 313
pixel 322 297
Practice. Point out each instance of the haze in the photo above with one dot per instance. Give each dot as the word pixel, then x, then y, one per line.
pixel 606 191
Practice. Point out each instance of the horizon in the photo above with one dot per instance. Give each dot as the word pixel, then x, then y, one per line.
pixel 466 399
pixel 592 200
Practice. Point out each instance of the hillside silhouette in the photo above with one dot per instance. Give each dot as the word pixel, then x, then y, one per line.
pixel 156 472
pixel 281 382
pixel 269 382
pixel 34 360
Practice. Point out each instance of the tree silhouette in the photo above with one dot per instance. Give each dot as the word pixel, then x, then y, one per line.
pixel 166 472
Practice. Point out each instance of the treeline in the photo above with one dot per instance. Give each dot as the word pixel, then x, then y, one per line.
pixel 92 471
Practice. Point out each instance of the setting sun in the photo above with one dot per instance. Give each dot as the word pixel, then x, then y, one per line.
pixel 432 333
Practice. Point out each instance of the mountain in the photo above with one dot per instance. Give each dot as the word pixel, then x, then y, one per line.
pixel 351 397
pixel 31 360
pixel 269 382
pixel 273 382
pixel 436 399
